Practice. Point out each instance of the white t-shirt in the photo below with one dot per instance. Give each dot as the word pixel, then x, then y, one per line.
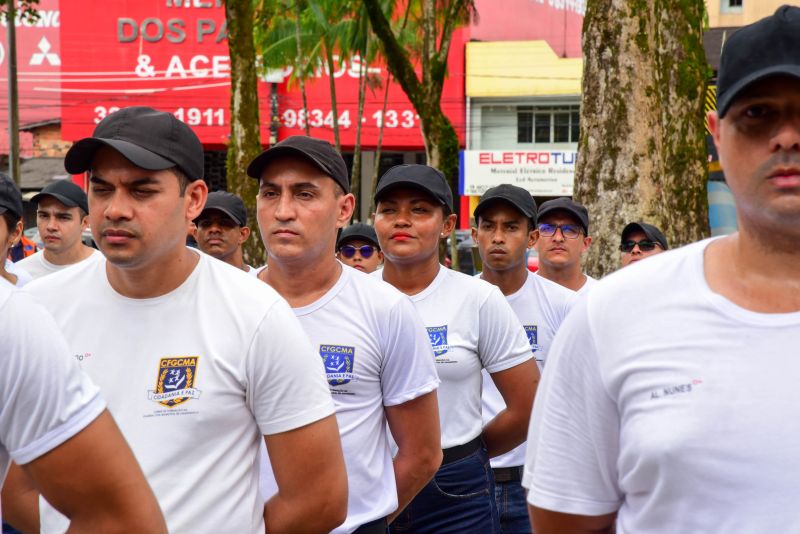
pixel 23 277
pixel 540 305
pixel 471 327
pixel 45 398
pixel 587 285
pixel 376 353
pixel 670 403
pixel 194 379
pixel 38 266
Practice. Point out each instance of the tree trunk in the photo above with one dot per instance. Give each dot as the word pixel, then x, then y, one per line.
pixel 376 169
pixel 301 64
pixel 245 141
pixel 355 180
pixel 642 145
pixel 332 81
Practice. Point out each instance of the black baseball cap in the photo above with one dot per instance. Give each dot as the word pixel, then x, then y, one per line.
pixel 318 152
pixel 760 50
pixel 10 197
pixel 650 232
pixel 514 195
pixel 420 177
pixel 578 211
pixel 150 139
pixel 360 232
pixel 66 192
pixel 229 204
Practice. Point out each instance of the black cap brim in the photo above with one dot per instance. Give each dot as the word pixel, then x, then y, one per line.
pixel 221 210
pixel 257 166
pixel 80 156
pixel 61 198
pixel 725 100
pixel 483 204
pixel 411 185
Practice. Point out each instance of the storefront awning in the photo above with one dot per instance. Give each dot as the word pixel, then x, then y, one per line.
pixel 520 68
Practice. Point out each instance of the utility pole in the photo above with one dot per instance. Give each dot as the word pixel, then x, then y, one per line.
pixel 13 97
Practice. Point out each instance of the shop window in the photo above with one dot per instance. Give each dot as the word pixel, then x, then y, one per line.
pixel 545 125
pixel 732 6
pixel 524 124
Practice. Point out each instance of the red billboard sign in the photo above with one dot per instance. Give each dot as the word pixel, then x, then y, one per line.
pixel 38 65
pixel 173 55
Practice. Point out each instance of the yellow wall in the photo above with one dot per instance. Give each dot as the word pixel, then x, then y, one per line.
pixel 752 10
pixel 520 68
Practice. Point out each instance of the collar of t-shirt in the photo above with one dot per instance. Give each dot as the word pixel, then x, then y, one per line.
pixel 344 278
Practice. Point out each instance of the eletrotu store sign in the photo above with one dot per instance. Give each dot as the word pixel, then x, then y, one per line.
pixel 547 171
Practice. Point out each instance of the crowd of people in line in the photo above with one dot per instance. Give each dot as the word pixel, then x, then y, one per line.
pixel 355 384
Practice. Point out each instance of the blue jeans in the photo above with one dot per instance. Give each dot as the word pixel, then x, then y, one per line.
pixel 459 499
pixel 513 508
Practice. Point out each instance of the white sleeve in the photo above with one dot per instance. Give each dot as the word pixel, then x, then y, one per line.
pixel 573 439
pixel 502 342
pixel 286 380
pixel 45 398
pixel 409 368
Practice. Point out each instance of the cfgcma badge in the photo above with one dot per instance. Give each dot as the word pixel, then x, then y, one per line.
pixel 175 381
pixel 338 360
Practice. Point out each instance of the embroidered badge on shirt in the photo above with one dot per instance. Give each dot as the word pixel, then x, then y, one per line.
pixel 533 336
pixel 438 337
pixel 338 360
pixel 175 381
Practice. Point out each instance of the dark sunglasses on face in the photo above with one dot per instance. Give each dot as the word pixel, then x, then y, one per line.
pixel 348 251
pixel 569 231
pixel 645 245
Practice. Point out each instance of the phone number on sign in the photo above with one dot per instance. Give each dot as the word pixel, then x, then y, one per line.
pixel 318 118
pixel 191 116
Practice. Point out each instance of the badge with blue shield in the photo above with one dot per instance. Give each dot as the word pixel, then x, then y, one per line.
pixel 530 330
pixel 338 360
pixel 438 337
pixel 175 381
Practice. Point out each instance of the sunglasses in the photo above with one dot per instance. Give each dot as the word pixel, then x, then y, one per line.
pixel 348 251
pixel 569 231
pixel 645 245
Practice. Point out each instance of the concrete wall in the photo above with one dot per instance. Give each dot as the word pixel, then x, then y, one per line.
pixel 720 16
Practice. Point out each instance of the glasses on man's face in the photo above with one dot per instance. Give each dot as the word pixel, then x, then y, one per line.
pixel 348 251
pixel 569 231
pixel 645 245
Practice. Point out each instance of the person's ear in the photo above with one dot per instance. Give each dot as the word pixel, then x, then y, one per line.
pixel 533 237
pixel 587 241
pixel 449 224
pixel 346 204
pixel 244 233
pixel 196 195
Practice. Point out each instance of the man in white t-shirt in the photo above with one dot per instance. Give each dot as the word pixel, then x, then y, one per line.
pixel 563 240
pixel 52 419
pixel 505 221
pixel 61 216
pixel 670 391
pixel 374 348
pixel 222 229
pixel 199 363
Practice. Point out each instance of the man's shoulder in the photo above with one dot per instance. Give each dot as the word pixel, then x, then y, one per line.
pixel 75 277
pixel 33 259
pixel 236 286
pixel 668 276
pixel 373 287
pixel 550 288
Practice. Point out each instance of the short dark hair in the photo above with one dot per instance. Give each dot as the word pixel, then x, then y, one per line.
pixel 183 180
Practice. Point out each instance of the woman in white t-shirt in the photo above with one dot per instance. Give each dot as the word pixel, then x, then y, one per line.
pixel 471 327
